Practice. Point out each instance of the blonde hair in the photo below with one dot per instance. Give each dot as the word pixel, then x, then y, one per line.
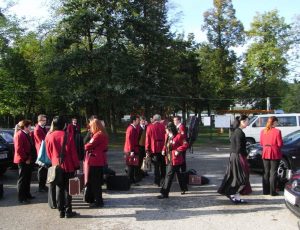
pixel 96 126
pixel 270 123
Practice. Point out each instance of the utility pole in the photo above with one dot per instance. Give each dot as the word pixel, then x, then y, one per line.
pixel 268 103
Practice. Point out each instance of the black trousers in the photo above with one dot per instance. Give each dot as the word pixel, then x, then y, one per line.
pixel 24 180
pixel 63 199
pixel 94 183
pixel 42 176
pixel 52 195
pixel 159 168
pixel 133 173
pixel 183 166
pixel 270 176
pixel 171 170
pixel 142 154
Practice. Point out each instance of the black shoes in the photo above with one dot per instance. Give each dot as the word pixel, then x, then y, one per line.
pixel 97 205
pixel 70 214
pixel 162 196
pixel 237 201
pixel 24 202
pixel 30 197
pixel 44 189
pixel 183 192
pixel 275 194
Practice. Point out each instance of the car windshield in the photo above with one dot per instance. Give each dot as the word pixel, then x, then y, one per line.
pixel 8 137
pixel 291 137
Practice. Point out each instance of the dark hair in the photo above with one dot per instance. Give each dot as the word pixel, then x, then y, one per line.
pixel 172 128
pixel 238 120
pixel 133 118
pixel 59 123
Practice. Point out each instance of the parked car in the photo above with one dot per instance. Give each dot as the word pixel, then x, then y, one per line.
pixel 290 160
pixel 292 194
pixel 7 140
pixel 287 123
pixel 6 158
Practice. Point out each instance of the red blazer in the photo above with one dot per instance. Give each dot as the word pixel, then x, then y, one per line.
pixel 182 130
pixel 54 142
pixel 22 148
pixel 271 143
pixel 97 148
pixel 178 143
pixel 155 137
pixel 131 140
pixel 39 135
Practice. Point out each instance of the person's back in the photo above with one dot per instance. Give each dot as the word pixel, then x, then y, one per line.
pixel 155 136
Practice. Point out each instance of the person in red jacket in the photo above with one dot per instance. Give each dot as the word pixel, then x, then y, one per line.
pixel 175 145
pixel 68 162
pixel 39 134
pixel 96 159
pixel 271 141
pixel 24 150
pixel 182 131
pixel 131 149
pixel 155 137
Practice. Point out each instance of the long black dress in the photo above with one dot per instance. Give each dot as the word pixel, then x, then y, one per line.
pixel 236 177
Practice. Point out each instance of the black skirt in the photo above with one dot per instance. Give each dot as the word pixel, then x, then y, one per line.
pixel 235 177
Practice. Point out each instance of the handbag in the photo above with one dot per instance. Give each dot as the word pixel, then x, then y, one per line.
pixel 146 166
pixel 55 172
pixel 132 160
pixel 42 158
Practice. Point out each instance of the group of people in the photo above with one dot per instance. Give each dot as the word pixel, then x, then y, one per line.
pixel 236 179
pixel 165 144
pixel 64 149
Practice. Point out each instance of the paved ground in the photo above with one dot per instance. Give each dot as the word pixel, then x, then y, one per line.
pixel 200 208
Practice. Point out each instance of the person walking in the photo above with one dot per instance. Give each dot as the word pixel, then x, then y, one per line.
pixel 61 150
pixel 24 155
pixel 236 178
pixel 131 149
pixel 271 142
pixel 182 131
pixel 39 133
pixel 155 137
pixel 95 160
pixel 175 145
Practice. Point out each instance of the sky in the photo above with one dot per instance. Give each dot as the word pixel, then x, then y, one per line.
pixel 191 16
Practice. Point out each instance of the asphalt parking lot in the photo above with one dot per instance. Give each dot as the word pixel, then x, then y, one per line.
pixel 200 208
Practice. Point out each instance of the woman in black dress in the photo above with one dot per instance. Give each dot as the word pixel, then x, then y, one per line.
pixel 236 179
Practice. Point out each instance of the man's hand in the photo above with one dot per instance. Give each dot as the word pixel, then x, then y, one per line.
pixel 131 154
pixel 176 153
pixel 163 153
pixel 27 162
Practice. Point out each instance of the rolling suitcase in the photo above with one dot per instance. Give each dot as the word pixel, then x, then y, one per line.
pixel 76 185
pixel 118 183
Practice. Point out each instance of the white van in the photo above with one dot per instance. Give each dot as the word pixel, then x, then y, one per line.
pixel 287 123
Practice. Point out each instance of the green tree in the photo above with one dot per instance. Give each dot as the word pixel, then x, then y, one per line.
pixel 291 101
pixel 224 31
pixel 265 66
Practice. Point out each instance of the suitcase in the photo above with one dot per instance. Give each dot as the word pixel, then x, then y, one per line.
pixel 195 180
pixel 118 183
pixel 76 185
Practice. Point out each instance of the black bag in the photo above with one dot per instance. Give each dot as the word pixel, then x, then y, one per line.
pixel 118 183
pixel 88 196
pixel 193 130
